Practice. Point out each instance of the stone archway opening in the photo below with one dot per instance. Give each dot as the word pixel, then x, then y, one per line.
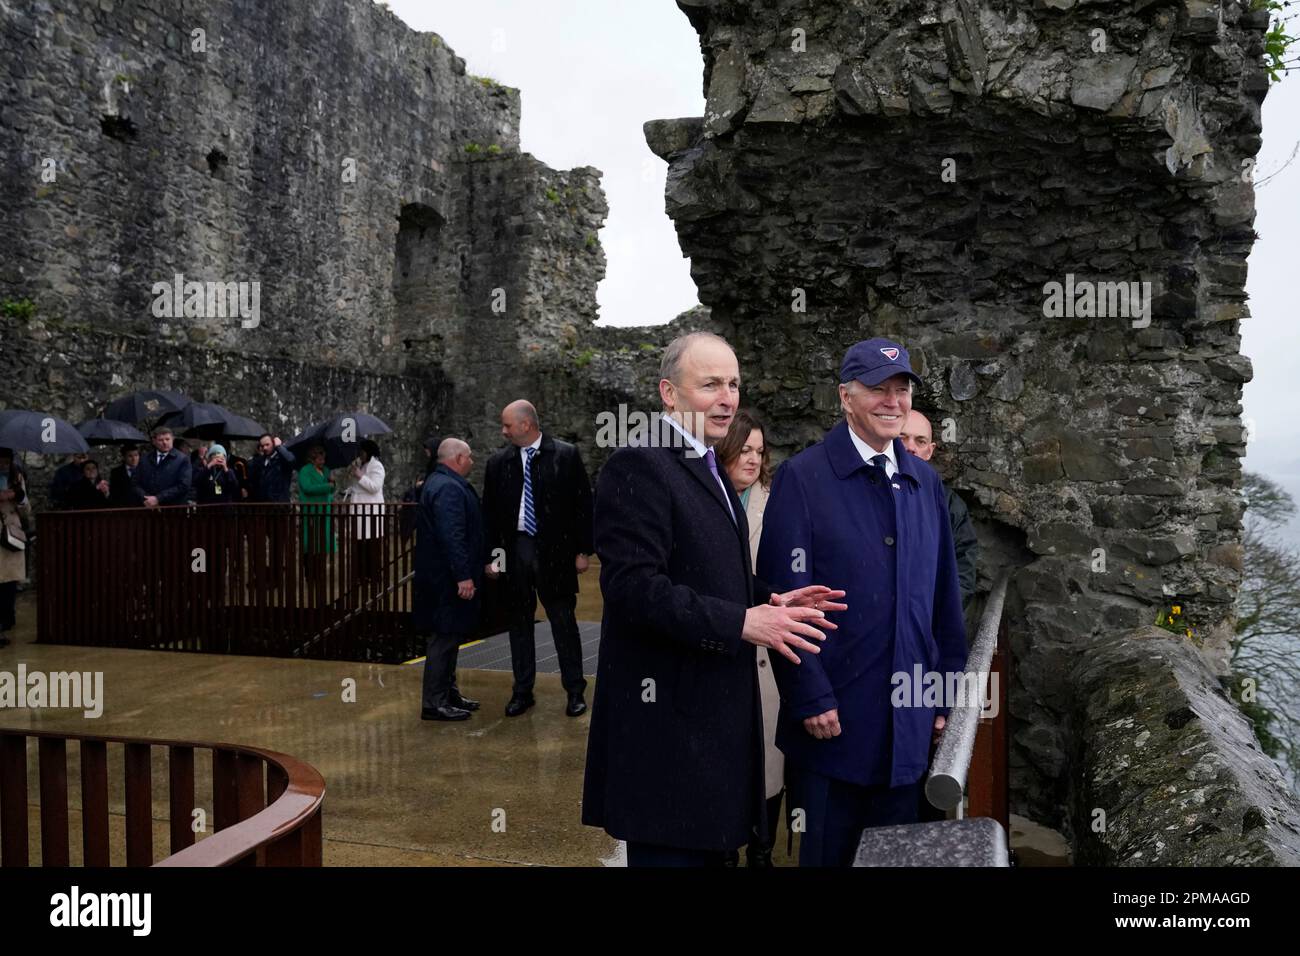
pixel 420 308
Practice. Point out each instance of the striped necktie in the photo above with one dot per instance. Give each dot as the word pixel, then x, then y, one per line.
pixel 530 516
pixel 880 461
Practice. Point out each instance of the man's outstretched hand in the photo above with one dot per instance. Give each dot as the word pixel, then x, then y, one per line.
pixel 782 628
pixel 814 595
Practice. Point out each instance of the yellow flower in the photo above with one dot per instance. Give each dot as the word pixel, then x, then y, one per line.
pixel 1171 620
pixel 1178 609
pixel 1189 632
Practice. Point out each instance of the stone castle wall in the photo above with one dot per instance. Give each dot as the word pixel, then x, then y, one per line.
pixel 350 166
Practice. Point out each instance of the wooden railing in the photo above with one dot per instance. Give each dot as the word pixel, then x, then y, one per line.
pixel 266 806
pixel 323 581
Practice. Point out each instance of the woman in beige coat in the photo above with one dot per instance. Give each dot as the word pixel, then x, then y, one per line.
pixel 744 456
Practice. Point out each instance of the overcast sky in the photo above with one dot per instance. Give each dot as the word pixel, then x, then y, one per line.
pixel 592 71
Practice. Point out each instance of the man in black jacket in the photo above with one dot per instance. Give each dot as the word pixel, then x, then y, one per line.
pixel 537 508
pixel 918 438
pixel 270 476
pixel 675 750
pixel 121 480
pixel 270 473
pixel 164 475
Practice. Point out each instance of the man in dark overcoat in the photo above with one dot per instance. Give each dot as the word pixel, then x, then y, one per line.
pixel 675 749
pixel 164 475
pixel 449 558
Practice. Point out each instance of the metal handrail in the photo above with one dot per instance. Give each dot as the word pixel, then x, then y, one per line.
pixel 947 782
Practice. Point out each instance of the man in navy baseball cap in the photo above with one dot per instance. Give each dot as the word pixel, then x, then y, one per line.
pixel 860 513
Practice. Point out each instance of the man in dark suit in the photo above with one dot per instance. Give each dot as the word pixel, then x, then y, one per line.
pixel 121 480
pixel 675 749
pixel 537 505
pixel 270 473
pixel 164 475
pixel 449 555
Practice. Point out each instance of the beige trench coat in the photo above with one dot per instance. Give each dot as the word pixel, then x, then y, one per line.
pixel 13 564
pixel 773 759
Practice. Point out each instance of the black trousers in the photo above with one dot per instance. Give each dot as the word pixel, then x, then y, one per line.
pixel 440 655
pixel 521 586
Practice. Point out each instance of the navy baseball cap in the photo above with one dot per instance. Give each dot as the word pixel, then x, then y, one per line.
pixel 875 360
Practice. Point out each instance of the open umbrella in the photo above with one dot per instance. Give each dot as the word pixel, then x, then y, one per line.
pixel 40 432
pixel 145 405
pixel 110 431
pixel 339 435
pixel 209 420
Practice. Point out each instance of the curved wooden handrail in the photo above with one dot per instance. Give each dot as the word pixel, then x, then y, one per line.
pixel 294 809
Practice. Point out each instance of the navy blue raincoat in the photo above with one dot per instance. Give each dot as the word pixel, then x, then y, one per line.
pixel 449 547
pixel 833 519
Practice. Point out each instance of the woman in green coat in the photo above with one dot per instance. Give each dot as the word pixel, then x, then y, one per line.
pixel 315 491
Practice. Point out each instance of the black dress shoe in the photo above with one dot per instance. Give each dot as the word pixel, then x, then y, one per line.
pixel 518 704
pixel 464 703
pixel 577 706
pixel 445 712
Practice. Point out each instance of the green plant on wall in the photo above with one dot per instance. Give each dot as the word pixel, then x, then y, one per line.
pixel 584 358
pixel 473 148
pixel 1277 41
pixel 22 309
pixel 552 195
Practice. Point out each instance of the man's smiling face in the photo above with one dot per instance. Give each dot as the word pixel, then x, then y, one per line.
pixel 876 413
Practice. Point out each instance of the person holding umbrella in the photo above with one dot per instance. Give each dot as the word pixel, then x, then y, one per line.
pixel 90 491
pixel 65 476
pixel 13 561
pixel 367 490
pixel 315 492
pixel 121 479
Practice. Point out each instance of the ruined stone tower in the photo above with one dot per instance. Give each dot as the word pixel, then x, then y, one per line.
pixel 945 173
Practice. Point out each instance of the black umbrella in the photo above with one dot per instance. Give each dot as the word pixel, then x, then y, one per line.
pixel 340 436
pixel 209 420
pixel 148 404
pixel 40 432
pixel 110 431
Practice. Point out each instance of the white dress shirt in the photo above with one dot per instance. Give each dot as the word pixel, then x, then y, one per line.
pixel 523 456
pixel 868 453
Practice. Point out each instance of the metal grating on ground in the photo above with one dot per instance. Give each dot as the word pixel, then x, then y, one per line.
pixel 493 654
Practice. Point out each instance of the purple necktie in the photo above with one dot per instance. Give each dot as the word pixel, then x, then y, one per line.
pixel 713 467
